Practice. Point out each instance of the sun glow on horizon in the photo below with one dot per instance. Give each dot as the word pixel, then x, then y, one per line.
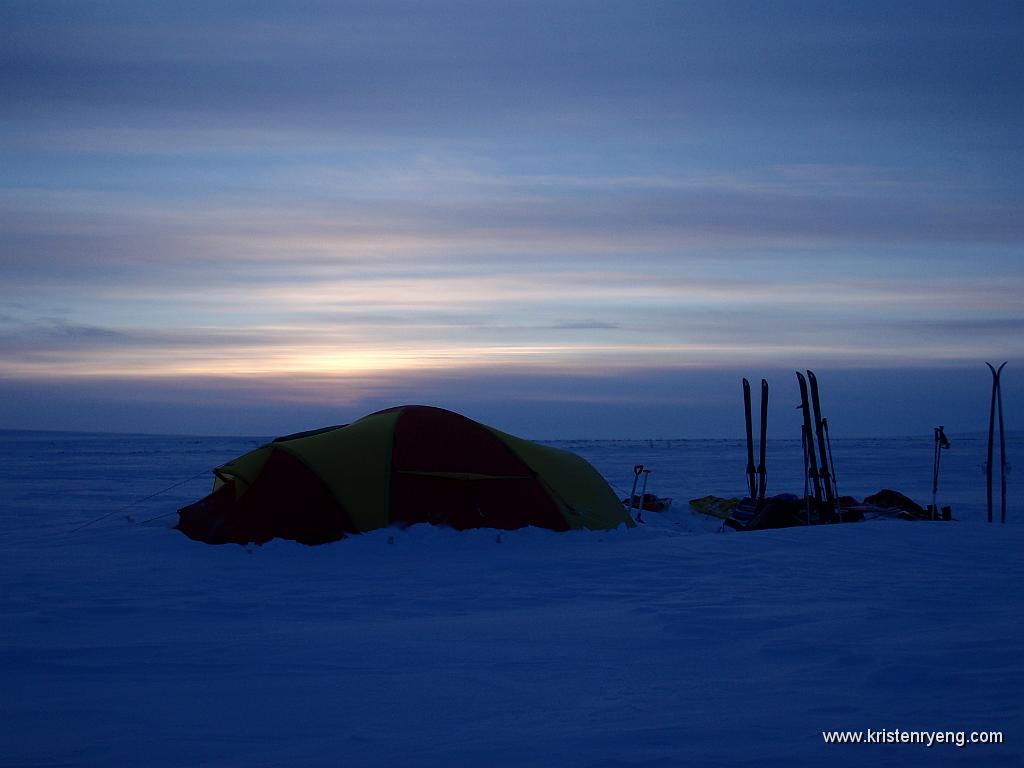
pixel 457 193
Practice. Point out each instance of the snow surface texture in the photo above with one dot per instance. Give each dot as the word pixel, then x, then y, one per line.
pixel 665 645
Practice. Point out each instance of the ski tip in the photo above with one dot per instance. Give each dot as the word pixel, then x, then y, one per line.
pixel 746 384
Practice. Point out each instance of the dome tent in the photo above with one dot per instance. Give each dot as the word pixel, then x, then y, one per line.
pixel 403 465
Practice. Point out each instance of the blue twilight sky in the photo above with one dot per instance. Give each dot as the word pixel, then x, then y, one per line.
pixel 564 218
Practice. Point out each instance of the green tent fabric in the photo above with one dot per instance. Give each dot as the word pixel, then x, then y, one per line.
pixel 403 465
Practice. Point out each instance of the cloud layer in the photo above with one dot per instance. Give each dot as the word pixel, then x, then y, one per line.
pixel 336 196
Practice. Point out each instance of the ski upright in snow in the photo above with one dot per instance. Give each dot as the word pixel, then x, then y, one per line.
pixel 751 472
pixel 996 408
pixel 826 475
pixel 762 472
pixel 807 431
pixel 757 477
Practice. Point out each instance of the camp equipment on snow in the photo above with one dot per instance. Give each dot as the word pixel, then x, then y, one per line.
pixel 403 465
pixel 645 501
pixel 714 506
pixel 650 502
pixel 786 510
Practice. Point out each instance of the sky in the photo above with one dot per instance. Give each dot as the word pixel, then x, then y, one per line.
pixel 566 219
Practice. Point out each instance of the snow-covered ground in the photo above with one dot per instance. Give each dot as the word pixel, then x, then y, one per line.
pixel 125 643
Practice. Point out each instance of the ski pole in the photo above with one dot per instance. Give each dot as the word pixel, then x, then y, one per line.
pixel 831 461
